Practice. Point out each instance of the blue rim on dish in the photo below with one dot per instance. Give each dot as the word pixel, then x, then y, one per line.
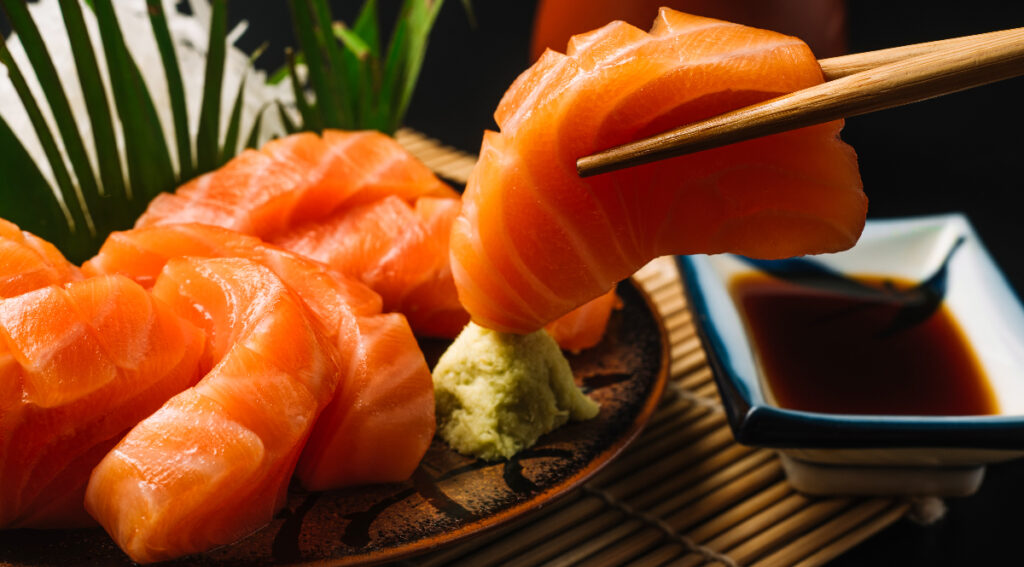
pixel 754 421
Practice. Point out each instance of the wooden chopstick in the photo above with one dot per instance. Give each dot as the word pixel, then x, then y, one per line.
pixel 843 65
pixel 863 83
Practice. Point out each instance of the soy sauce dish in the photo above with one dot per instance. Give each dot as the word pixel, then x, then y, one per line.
pixel 896 367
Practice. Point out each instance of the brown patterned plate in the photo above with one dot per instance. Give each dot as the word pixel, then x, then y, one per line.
pixel 450 497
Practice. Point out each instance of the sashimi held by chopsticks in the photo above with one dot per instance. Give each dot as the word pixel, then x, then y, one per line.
pixel 858 84
pixel 534 240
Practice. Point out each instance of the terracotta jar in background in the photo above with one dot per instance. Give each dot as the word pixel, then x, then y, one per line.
pixel 819 23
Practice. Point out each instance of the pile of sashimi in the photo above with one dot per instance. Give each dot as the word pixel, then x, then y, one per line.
pixel 259 325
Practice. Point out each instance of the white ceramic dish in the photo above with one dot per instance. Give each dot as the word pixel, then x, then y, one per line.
pixel 827 453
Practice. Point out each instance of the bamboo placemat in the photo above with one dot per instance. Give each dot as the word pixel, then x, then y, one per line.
pixel 684 493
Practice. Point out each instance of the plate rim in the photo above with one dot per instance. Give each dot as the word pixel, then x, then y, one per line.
pixel 545 497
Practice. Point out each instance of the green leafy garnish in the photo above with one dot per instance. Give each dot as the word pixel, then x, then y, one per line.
pixel 149 162
pixel 354 83
pixel 175 86
pixel 77 196
pixel 208 137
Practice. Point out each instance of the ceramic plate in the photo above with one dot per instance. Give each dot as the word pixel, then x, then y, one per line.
pixel 943 250
pixel 450 497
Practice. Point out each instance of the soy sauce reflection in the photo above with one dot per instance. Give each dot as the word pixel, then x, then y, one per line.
pixel 823 350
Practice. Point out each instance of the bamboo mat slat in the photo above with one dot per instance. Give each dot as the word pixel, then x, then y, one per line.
pixel 684 493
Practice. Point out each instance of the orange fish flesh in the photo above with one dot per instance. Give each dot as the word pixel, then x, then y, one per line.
pixel 142 253
pixel 297 189
pixel 583 327
pixel 80 365
pixel 296 179
pixel 534 240
pixel 28 262
pixel 398 249
pixel 213 464
pixel 385 393
pixel 381 422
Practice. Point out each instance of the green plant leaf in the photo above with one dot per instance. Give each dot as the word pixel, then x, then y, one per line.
pixel 310 117
pixel 53 91
pixel 354 62
pixel 421 15
pixel 76 219
pixel 253 140
pixel 230 147
pixel 356 84
pixel 351 40
pixel 175 87
pixel 208 136
pixel 146 153
pixel 31 203
pixel 320 76
pixel 341 95
pixel 95 97
pixel 278 76
pixel 362 66
pixel 368 28
pixel 393 64
pixel 286 121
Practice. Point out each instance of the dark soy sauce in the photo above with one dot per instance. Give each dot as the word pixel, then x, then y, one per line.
pixel 827 351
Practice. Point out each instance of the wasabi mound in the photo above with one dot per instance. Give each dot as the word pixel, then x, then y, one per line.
pixel 497 393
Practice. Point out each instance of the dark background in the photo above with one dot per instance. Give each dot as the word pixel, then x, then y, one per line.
pixel 962 152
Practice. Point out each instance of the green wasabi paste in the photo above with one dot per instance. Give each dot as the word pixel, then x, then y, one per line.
pixel 497 393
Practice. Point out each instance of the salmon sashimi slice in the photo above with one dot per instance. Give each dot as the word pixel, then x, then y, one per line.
pixel 357 168
pixel 252 193
pixel 583 327
pixel 214 462
pixel 534 240
pixel 398 249
pixel 142 253
pixel 296 179
pixel 383 371
pixel 28 262
pixel 80 365
pixel 381 423
pixel 284 191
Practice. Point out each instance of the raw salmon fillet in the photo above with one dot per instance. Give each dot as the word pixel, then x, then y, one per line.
pixel 298 191
pixel 534 240
pixel 299 178
pixel 142 253
pixel 213 464
pixel 398 249
pixel 584 326
pixel 80 365
pixel 381 420
pixel 28 262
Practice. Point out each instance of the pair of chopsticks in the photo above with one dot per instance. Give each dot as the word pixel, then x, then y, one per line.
pixel 854 84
